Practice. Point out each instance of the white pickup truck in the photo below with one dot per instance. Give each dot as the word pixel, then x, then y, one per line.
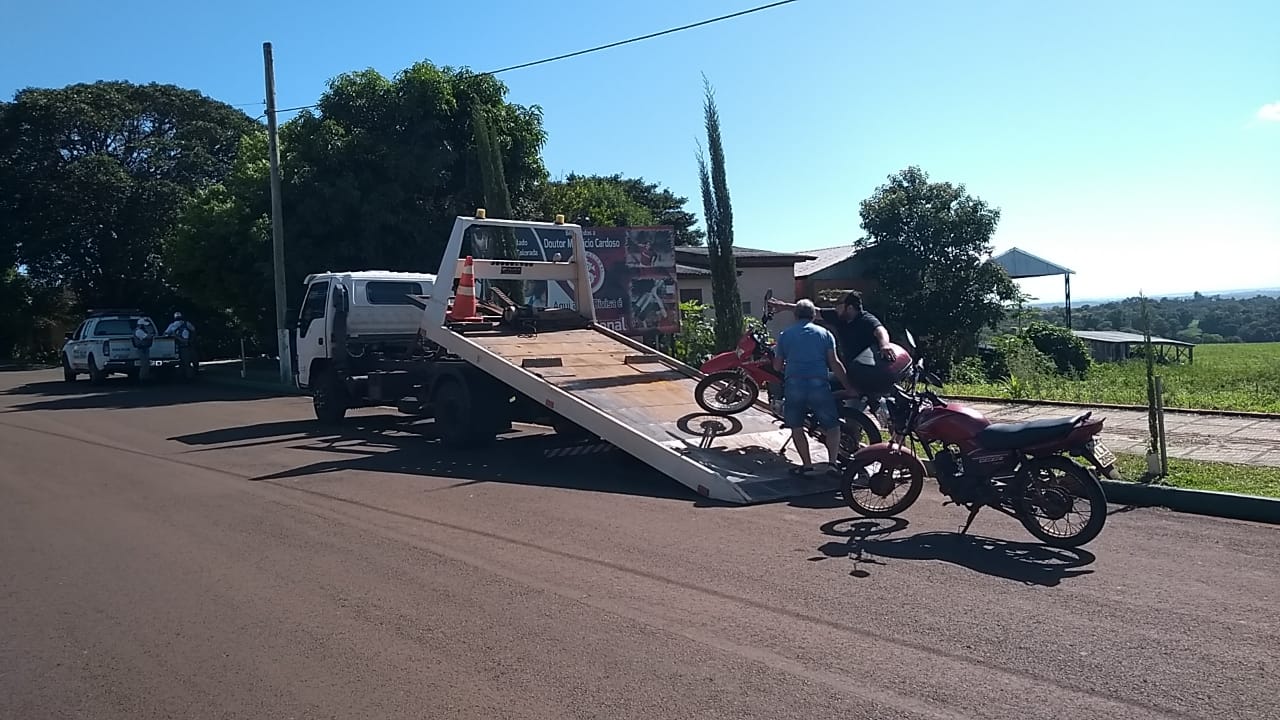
pixel 103 345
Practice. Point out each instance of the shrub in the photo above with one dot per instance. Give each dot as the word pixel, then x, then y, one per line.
pixel 1069 353
pixel 697 338
pixel 969 371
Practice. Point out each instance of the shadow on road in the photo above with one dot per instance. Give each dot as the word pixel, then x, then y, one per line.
pixel 392 443
pixel 119 393
pixel 1027 563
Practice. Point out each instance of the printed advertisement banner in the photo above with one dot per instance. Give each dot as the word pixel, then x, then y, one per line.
pixel 632 271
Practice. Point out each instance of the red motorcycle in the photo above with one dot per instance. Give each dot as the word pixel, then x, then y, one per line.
pixel 1024 470
pixel 734 379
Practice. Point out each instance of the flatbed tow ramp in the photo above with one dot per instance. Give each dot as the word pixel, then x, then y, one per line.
pixel 628 394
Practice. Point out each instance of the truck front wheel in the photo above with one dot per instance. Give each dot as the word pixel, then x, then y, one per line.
pixel 68 374
pixel 459 423
pixel 329 398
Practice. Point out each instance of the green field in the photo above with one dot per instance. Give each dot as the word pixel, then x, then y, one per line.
pixel 1223 377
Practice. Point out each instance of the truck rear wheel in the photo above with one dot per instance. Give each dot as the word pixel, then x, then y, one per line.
pixel 569 429
pixel 459 422
pixel 97 375
pixel 329 398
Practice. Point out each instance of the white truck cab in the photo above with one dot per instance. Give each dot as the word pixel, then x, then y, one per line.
pixel 379 314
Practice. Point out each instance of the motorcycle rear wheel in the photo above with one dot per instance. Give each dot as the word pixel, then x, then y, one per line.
pixel 1057 499
pixel 883 481
pixel 744 389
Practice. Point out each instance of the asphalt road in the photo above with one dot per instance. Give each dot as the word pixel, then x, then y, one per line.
pixel 175 552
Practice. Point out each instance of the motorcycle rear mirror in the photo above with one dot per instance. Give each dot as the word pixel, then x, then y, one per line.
pixel 933 380
pixel 911 339
pixel 768 295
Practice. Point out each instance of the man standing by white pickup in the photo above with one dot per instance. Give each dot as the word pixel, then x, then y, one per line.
pixel 183 332
pixel 143 335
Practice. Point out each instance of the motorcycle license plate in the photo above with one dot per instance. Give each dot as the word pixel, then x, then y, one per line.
pixel 1103 454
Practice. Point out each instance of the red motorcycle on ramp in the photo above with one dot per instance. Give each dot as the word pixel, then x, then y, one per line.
pixel 1025 470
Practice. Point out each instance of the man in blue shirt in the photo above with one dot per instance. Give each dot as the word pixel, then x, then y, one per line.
pixel 806 352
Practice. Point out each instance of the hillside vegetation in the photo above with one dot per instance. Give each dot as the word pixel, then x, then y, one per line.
pixel 1197 319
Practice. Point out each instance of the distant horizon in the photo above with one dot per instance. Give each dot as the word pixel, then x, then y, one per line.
pixel 1234 293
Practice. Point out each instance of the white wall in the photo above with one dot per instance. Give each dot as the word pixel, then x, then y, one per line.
pixel 753 282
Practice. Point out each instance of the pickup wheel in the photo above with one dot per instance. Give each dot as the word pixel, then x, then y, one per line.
pixel 457 421
pixel 329 398
pixel 68 375
pixel 96 374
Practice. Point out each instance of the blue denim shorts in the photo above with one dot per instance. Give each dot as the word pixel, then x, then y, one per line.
pixel 801 395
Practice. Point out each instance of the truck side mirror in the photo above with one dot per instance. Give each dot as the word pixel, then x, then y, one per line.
pixel 66 336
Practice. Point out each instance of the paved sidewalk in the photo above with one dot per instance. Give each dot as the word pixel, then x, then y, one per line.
pixel 1213 438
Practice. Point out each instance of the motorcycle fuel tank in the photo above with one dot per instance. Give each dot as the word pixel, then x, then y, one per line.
pixel 950 423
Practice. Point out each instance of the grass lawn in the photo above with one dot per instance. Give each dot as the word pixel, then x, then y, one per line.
pixel 1200 475
pixel 1242 376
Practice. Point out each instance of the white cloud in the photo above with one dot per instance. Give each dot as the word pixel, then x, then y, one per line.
pixel 1269 112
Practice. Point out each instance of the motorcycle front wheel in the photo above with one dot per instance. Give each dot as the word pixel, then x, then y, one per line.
pixel 1049 498
pixel 870 489
pixel 727 392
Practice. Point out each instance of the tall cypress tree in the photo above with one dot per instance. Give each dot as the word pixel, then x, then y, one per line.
pixel 497 198
pixel 718 212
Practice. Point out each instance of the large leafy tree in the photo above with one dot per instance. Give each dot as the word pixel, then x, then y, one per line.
pixel 928 246
pixel 372 178
pixel 592 200
pixel 719 216
pixel 619 201
pixel 93 178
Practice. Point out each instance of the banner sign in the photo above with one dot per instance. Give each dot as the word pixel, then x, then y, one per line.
pixel 632 271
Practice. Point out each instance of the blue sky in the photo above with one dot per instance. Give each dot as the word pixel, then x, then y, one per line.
pixel 1125 140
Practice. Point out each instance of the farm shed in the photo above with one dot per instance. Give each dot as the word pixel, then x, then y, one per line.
pixel 1110 346
pixel 1021 264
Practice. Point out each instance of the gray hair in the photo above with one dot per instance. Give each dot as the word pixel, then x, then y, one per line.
pixel 805 309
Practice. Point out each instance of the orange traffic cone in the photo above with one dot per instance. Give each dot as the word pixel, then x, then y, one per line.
pixel 464 300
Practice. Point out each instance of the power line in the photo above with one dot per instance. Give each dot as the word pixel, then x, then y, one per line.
pixel 650 36
pixel 598 48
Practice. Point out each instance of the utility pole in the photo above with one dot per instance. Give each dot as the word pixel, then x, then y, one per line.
pixel 277 220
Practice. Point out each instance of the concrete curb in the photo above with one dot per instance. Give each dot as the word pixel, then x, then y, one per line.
pixel 1111 406
pixel 1198 502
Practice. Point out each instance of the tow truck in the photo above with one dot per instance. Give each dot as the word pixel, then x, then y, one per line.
pixel 512 362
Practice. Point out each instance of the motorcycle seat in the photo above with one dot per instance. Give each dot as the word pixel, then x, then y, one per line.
pixel 1012 436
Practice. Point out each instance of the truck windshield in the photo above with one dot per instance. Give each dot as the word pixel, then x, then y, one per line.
pixel 115 326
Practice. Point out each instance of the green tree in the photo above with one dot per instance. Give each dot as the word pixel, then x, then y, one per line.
pixel 373 177
pixel 592 200
pixel 496 195
pixel 718 212
pixel 220 255
pixel 619 201
pixel 31 313
pixel 93 178
pixel 927 247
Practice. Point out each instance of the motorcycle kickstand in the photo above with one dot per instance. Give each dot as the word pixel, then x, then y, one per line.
pixel 973 512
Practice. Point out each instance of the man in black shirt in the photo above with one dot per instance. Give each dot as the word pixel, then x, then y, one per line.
pixel 862 338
